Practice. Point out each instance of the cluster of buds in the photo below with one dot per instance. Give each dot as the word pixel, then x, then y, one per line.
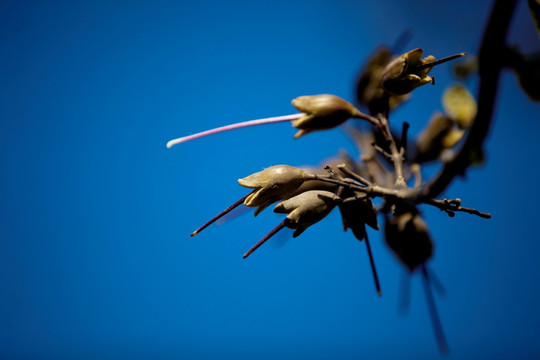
pixel 307 197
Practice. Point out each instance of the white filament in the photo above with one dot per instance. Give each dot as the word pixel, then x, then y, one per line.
pixel 239 125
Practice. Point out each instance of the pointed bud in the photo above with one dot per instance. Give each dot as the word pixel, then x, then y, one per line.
pixel 272 184
pixel 306 209
pixel 322 112
pixel 407 72
pixel 357 213
pixel 368 87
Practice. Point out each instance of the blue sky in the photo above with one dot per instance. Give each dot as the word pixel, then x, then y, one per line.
pixel 95 255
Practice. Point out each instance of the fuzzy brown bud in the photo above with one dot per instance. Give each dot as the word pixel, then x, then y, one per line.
pixel 408 237
pixel 357 213
pixel 322 112
pixel 272 184
pixel 306 209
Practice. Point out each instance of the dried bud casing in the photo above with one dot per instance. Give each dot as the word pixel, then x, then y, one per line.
pixel 322 112
pixel 306 209
pixel 358 213
pixel 408 237
pixel 405 73
pixel 272 184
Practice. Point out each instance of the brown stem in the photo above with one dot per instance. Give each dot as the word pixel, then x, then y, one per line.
pixel 396 155
pixel 452 205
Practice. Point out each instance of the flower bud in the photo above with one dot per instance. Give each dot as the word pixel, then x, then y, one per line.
pixel 402 75
pixel 368 87
pixel 358 213
pixel 306 209
pixel 321 112
pixel 272 184
pixel 408 237
pixel 407 72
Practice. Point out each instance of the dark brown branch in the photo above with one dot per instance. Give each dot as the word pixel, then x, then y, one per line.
pixel 355 176
pixel 490 62
pixel 395 156
pixel 454 205
pixel 450 206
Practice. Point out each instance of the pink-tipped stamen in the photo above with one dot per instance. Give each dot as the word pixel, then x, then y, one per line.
pixel 239 125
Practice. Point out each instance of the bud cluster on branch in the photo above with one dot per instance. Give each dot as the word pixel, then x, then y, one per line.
pixel 389 170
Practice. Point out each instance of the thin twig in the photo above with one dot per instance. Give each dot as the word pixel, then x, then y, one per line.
pixel 396 155
pixel 454 205
pixel 360 179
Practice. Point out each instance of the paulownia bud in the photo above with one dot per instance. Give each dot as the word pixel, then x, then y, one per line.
pixel 322 112
pixel 402 76
pixel 306 209
pixel 272 184
pixel 408 237
pixel 357 213
pixel 368 87
pixel 407 72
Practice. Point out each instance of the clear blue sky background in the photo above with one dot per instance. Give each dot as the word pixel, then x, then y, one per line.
pixel 95 257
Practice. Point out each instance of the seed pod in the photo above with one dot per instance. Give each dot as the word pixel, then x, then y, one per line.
pixel 306 209
pixel 321 112
pixel 408 237
pixel 272 184
pixel 402 76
